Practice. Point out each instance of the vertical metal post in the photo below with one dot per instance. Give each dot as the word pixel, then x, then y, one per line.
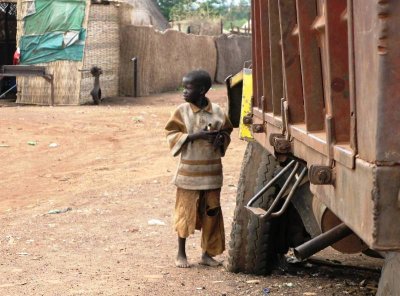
pixel 135 76
pixel 52 90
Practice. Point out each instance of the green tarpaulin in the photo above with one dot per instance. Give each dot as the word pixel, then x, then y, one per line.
pixel 49 47
pixel 54 32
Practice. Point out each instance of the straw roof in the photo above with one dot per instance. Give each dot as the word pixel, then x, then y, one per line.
pixel 147 13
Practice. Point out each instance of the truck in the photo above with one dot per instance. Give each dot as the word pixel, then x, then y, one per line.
pixel 319 107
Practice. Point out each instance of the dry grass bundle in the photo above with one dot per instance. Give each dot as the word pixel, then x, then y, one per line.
pixel 36 90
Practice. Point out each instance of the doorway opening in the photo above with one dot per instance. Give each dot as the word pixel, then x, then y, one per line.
pixel 8 46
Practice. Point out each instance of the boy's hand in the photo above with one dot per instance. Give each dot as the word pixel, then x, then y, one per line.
pixel 219 141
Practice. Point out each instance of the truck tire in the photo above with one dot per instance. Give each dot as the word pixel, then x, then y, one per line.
pixel 389 284
pixel 249 241
pixel 262 236
pixel 246 185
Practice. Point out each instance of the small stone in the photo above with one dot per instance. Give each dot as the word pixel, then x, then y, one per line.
pixel 155 222
pixel 253 282
pixel 137 119
pixel 266 291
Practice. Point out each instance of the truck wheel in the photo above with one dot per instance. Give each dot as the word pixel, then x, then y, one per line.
pixel 262 236
pixel 250 246
pixel 246 185
pixel 389 283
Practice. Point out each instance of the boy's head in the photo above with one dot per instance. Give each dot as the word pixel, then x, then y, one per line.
pixel 196 84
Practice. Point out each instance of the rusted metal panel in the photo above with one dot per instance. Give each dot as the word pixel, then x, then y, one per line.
pixel 344 154
pixel 253 49
pixel 366 199
pixel 352 85
pixel 257 58
pixel 359 43
pixel 377 65
pixel 316 141
pixel 310 66
pixel 388 140
pixel 366 59
pixel 276 56
pixel 291 60
pixel 386 198
pixel 262 137
pixel 338 69
pixel 351 199
pixel 266 66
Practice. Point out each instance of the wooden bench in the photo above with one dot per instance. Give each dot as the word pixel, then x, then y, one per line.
pixel 26 71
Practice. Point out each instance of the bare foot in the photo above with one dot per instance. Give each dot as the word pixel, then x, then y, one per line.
pixel 209 261
pixel 181 262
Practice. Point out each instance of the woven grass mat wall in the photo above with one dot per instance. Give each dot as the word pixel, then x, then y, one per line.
pixel 102 50
pixel 36 90
pixel 233 51
pixel 163 58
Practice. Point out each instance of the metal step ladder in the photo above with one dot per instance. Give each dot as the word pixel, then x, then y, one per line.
pixel 298 173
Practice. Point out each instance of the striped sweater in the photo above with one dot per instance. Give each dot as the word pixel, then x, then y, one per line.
pixel 200 166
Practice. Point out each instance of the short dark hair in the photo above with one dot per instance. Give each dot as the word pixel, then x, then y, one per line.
pixel 199 77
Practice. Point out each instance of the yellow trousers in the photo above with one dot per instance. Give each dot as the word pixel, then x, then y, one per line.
pixel 201 210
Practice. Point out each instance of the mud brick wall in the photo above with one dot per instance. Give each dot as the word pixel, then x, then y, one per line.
pixel 163 58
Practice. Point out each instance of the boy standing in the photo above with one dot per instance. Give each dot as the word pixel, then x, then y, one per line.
pixel 200 132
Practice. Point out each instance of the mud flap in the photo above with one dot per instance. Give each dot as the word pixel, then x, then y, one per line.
pixel 245 131
pixel 240 92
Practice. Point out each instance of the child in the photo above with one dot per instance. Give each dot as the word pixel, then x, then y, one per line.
pixel 200 132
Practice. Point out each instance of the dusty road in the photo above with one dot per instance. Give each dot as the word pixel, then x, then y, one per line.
pixel 108 170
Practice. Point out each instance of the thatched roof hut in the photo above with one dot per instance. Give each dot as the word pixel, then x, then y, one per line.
pixel 69 37
pixel 146 13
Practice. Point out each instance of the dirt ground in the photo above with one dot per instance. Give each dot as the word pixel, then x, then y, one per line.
pixel 108 171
